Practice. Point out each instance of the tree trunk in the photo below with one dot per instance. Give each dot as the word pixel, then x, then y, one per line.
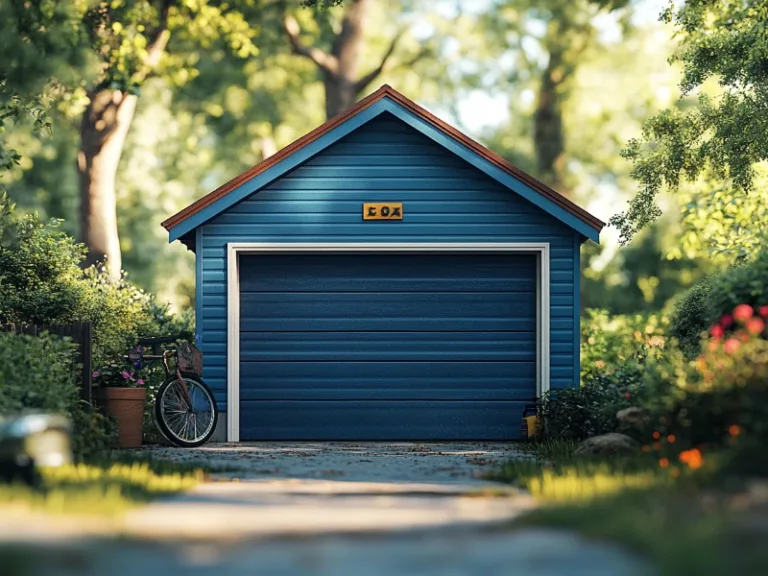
pixel 104 126
pixel 341 84
pixel 548 138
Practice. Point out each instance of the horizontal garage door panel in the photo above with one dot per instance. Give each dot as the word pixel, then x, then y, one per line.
pixel 386 273
pixel 387 380
pixel 417 420
pixel 334 311
pixel 392 346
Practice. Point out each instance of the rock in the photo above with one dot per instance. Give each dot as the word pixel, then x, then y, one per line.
pixel 607 445
pixel 633 416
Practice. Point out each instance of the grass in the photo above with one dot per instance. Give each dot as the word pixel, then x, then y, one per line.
pixel 102 488
pixel 683 520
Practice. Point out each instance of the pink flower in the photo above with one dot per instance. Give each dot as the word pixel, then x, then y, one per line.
pixel 125 375
pixel 627 395
pixel 140 382
pixel 755 325
pixel 96 374
pixel 763 311
pixel 731 345
pixel 726 320
pixel 743 312
pixel 717 331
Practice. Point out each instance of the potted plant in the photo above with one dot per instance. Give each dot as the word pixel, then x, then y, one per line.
pixel 121 393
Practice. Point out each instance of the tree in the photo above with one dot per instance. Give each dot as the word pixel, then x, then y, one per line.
pixel 563 32
pixel 725 137
pixel 339 63
pixel 131 41
pixel 39 41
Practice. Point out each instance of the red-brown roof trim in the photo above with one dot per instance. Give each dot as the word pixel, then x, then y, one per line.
pixel 386 91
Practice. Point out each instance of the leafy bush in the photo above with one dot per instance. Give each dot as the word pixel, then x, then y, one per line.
pixel 689 319
pixel 614 352
pixel 590 410
pixel 42 282
pixel 709 300
pixel 612 342
pixel 719 401
pixel 36 373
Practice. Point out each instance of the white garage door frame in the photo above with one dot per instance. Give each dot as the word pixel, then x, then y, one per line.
pixel 235 249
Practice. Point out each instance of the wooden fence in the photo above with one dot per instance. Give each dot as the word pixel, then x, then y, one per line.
pixel 81 334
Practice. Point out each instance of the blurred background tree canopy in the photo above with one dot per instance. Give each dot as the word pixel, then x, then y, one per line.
pixel 115 114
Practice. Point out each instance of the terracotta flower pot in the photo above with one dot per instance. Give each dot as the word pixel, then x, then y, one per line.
pixel 127 407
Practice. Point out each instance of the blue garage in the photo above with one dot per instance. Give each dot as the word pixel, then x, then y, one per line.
pixel 384 277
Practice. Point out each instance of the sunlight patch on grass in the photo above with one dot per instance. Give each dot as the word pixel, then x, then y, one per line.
pixel 573 485
pixel 101 489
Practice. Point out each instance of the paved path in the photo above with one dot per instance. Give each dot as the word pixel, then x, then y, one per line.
pixel 336 509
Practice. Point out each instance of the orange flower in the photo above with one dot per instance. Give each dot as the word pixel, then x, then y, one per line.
pixel 734 430
pixel 657 446
pixel 646 448
pixel 692 457
pixel 671 438
pixel 656 435
pixel 674 472
pixel 713 345
pixel 663 462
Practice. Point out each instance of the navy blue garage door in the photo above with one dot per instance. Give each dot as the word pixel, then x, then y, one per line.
pixel 386 346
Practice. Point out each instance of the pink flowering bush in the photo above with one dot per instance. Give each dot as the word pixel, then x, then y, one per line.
pixel 720 399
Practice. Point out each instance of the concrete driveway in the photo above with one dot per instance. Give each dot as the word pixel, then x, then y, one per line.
pixel 279 489
pixel 336 509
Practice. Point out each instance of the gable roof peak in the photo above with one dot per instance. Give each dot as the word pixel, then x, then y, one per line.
pixel 593 224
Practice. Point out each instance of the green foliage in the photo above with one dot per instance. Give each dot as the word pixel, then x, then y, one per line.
pixel 589 410
pixel 719 401
pixel 614 354
pixel 42 282
pixel 40 42
pixel 725 135
pixel 721 223
pixel 641 277
pixel 708 301
pixel 618 343
pixel 37 373
pixel 689 319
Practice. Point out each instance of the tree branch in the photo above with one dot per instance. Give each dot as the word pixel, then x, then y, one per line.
pixel 158 43
pixel 322 60
pixel 361 84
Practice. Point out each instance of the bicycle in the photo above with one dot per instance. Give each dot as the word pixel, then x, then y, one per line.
pixel 185 409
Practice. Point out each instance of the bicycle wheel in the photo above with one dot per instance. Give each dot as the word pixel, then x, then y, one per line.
pixel 186 420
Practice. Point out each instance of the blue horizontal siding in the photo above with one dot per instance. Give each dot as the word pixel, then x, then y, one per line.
pixel 445 200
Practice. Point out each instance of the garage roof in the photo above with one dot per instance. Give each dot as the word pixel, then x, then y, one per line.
pixel 385 99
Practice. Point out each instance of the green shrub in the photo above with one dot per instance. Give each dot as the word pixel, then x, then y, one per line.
pixel 705 303
pixel 589 410
pixel 614 351
pixel 690 318
pixel 37 373
pixel 42 282
pixel 717 402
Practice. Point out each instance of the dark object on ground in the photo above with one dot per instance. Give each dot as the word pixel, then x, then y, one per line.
pixel 31 440
pixel 607 445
